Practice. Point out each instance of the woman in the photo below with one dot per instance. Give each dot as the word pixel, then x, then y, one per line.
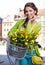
pixel 30 11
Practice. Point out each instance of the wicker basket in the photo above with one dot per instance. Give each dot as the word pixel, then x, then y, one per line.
pixel 15 51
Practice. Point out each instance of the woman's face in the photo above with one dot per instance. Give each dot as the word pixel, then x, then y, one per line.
pixel 29 12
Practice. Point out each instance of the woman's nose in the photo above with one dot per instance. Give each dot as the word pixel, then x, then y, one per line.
pixel 28 12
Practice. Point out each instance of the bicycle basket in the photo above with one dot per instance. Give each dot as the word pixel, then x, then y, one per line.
pixel 15 51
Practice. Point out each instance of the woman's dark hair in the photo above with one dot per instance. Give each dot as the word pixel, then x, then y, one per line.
pixel 32 5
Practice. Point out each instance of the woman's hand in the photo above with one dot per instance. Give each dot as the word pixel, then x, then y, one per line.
pixel 33 18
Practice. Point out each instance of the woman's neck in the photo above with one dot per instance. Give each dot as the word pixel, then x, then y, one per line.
pixel 32 22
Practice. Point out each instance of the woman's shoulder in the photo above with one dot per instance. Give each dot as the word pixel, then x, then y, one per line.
pixel 38 23
pixel 19 20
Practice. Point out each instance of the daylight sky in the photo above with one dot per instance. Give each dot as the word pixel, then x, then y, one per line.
pixel 12 6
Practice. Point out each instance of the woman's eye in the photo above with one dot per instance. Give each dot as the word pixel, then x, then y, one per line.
pixel 30 10
pixel 26 11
